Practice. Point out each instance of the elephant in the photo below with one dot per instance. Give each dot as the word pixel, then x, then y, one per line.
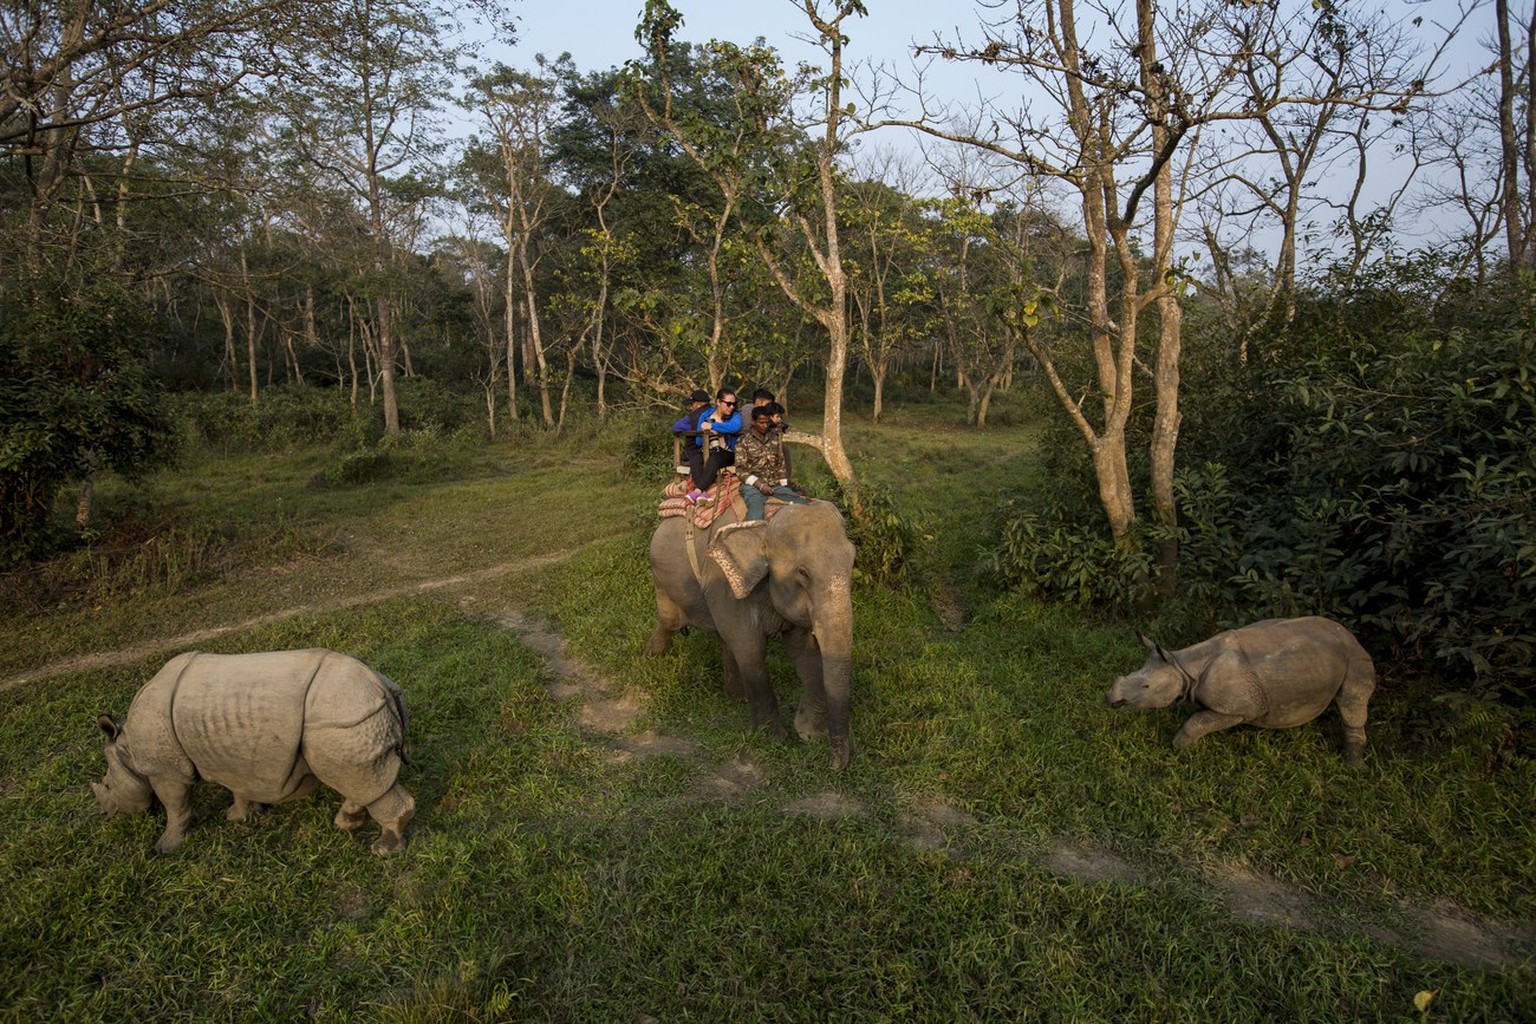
pixel 790 575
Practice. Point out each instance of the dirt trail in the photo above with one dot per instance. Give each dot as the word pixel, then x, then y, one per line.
pixel 140 651
pixel 606 714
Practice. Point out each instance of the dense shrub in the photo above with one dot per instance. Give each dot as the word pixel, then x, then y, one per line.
pixel 648 448
pixel 1065 551
pixel 1402 493
pixel 289 416
pixel 886 540
pixel 75 396
pixel 426 403
pixel 285 417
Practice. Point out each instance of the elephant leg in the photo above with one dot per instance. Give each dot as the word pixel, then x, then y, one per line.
pixel 393 811
pixel 730 674
pixel 811 714
pixel 669 620
pixel 1352 701
pixel 1203 723
pixel 177 798
pixel 749 656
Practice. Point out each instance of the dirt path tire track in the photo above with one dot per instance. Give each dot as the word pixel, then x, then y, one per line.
pixel 138 652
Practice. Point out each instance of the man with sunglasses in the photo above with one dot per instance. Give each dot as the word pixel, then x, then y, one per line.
pixel 721 429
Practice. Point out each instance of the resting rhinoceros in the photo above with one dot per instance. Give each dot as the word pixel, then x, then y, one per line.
pixel 1277 674
pixel 269 727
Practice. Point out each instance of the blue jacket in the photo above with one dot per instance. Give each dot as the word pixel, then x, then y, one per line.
pixel 728 429
pixel 690 421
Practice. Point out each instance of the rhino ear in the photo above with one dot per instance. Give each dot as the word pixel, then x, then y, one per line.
pixel 741 553
pixel 1152 646
pixel 109 727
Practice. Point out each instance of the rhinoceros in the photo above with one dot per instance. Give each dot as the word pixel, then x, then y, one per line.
pixel 1277 674
pixel 269 727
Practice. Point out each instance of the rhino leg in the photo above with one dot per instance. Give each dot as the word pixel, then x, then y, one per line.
pixel 1352 702
pixel 1203 723
pixel 351 816
pixel 176 796
pixel 393 811
pixel 244 809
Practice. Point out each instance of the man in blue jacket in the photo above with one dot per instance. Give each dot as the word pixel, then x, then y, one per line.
pixel 688 427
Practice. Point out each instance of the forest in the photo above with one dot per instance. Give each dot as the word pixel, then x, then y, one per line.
pixel 1194 243
pixel 354 325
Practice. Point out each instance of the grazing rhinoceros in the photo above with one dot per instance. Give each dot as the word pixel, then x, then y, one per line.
pixel 269 727
pixel 1277 674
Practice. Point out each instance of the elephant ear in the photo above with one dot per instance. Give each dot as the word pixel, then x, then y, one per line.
pixel 741 552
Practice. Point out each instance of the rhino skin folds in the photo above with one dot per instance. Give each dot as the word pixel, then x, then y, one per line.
pixel 269 727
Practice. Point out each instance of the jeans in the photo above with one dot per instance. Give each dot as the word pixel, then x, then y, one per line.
pixel 757 501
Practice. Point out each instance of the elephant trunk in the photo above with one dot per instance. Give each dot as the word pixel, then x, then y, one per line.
pixel 834 637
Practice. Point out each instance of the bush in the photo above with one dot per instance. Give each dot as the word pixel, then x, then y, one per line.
pixel 648 447
pixel 75 397
pixel 286 417
pixel 1376 464
pixel 1394 484
pixel 885 539
pixel 1061 552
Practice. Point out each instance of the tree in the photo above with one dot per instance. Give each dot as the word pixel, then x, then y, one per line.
pixel 519 109
pixel 1517 138
pixel 75 396
pixel 361 108
pixel 891 286
pixel 80 80
pixel 1116 122
pixel 1332 87
pixel 1120 106
pixel 786 190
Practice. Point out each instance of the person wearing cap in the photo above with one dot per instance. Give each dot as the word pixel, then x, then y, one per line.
pixel 688 427
pixel 721 429
pixel 760 465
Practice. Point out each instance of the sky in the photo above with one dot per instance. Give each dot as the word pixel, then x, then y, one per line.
pixel 600 33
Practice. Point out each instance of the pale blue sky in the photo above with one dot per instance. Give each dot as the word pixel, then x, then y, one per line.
pixel 600 33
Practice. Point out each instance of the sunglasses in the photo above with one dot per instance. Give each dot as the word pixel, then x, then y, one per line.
pixel 729 403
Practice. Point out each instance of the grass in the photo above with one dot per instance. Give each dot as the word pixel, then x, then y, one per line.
pixel 554 878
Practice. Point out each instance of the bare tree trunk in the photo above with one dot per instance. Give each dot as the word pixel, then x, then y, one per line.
pixel 1509 143
pixel 250 328
pixel 536 343
pixel 509 315
pixel 1165 424
pixel 221 299
pixel 565 388
pixel 293 356
pixel 386 343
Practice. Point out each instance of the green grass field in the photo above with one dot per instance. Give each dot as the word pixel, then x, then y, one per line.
pixel 599 837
